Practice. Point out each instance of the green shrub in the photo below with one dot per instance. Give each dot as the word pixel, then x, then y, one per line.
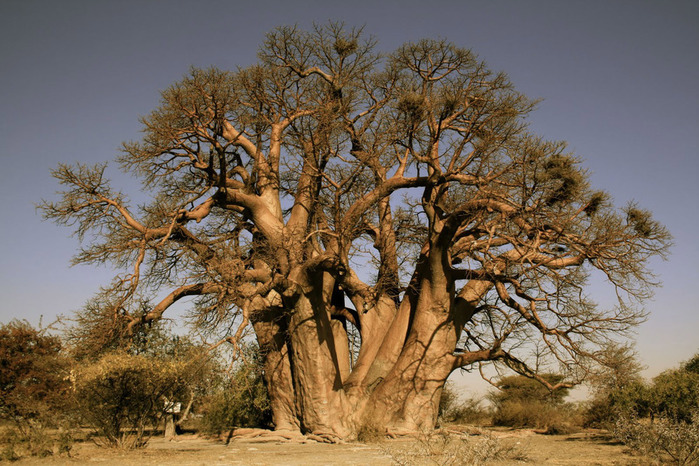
pixel 692 365
pixel 675 394
pixel 632 399
pixel 241 400
pixel 122 396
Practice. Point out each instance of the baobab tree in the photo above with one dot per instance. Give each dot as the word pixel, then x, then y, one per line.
pixel 378 221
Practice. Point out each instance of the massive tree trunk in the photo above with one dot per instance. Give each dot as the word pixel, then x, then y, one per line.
pixel 316 361
pixel 271 331
pixel 316 369
pixel 405 358
pixel 407 399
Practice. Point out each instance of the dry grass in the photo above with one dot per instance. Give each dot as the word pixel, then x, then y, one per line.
pixel 447 448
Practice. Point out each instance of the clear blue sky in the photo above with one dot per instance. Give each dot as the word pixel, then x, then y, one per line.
pixel 619 81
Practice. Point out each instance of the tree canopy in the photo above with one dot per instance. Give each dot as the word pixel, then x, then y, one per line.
pixel 378 220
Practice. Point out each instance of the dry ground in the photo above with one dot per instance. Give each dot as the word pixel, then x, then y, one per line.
pixel 588 448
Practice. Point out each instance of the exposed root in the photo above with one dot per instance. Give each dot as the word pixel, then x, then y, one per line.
pixel 463 433
pixel 265 435
pixel 269 436
pixel 324 437
pixel 402 433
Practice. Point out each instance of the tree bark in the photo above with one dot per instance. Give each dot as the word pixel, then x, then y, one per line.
pixel 271 332
pixel 316 368
pixel 170 427
pixel 407 399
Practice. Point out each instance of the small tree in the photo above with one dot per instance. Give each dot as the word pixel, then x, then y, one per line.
pixel 124 396
pixel 617 387
pixel 34 386
pixel 97 332
pixel 242 399
pixel 675 394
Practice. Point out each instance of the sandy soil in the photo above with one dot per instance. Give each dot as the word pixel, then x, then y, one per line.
pixel 589 448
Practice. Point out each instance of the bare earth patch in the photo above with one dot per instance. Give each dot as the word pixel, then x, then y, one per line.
pixel 588 448
pixel 585 448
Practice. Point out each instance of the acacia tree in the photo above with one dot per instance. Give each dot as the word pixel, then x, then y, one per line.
pixel 331 192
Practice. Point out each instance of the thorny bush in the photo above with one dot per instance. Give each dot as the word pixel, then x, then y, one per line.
pixel 664 438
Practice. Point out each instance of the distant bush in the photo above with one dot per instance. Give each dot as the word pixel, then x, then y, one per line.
pixel 241 400
pixel 523 414
pixel 456 411
pixel 553 419
pixel 519 388
pixel 524 402
pixel 675 395
pixel 39 441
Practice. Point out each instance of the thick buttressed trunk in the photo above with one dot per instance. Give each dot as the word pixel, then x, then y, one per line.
pixel 397 380
pixel 306 360
pixel 271 330
pixel 407 398
pixel 317 370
